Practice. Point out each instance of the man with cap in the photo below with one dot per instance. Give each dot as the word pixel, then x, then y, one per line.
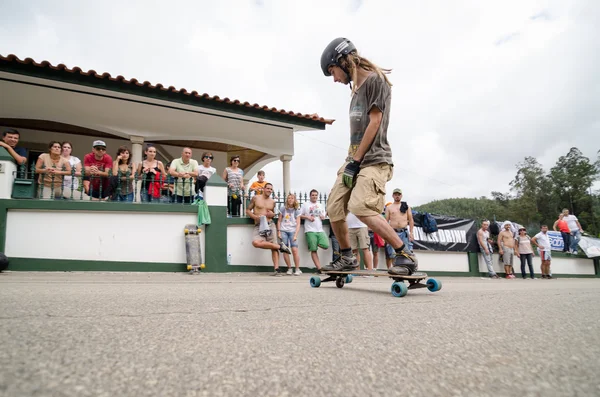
pixel 96 165
pixel 399 215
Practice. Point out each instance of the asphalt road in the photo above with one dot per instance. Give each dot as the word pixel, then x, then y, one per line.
pixel 156 334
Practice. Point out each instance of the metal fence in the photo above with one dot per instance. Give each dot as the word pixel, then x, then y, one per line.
pixel 53 184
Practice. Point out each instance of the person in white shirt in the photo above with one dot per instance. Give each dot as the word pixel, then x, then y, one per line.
pixel 359 238
pixel 313 214
pixel 542 242
pixel 575 228
pixel 205 171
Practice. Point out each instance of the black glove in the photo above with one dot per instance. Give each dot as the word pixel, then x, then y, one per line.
pixel 350 172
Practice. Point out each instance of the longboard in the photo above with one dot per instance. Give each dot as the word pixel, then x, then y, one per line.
pixel 193 250
pixel 398 289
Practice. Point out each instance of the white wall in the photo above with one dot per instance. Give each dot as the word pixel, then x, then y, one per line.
pixel 108 236
pixel 557 265
pixel 239 245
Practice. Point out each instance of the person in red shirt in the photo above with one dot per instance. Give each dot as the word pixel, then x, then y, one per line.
pixel 96 165
pixel 564 230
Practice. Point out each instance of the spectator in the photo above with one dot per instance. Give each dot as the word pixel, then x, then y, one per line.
pixel 71 182
pixel 257 186
pixel 563 228
pixel 123 175
pixel 542 242
pixel 234 176
pixel 97 164
pixel 10 139
pixel 575 228
pixel 506 248
pixel 185 172
pixel 51 168
pixel 153 175
pixel 288 225
pixel 313 214
pixel 485 244
pixel 375 242
pixel 264 205
pixel 399 216
pixel 524 252
pixel 205 171
pixel 359 239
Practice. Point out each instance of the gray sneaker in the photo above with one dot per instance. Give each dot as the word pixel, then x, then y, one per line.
pixel 284 248
pixel 342 264
pixel 405 263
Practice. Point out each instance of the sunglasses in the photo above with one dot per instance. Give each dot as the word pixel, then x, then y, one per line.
pixel 237 160
pixel 100 148
pixel 208 157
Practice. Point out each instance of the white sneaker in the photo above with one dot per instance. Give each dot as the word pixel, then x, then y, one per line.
pixel 574 252
pixel 289 271
pixel 297 272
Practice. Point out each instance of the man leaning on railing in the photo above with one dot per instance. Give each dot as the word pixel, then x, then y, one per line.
pixel 185 172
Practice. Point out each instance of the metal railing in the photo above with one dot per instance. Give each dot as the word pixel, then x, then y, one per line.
pixel 280 199
pixel 124 186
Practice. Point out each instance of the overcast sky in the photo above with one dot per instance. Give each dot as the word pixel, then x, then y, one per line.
pixel 478 85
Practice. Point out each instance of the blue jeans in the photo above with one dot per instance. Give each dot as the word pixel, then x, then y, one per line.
pixel 566 241
pixel 288 239
pixel 575 237
pixel 390 252
pixel 335 248
pixel 124 197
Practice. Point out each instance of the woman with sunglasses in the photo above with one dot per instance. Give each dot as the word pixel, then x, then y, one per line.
pixel 234 176
pixel 205 171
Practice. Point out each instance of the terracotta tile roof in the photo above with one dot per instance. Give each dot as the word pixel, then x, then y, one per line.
pixel 45 69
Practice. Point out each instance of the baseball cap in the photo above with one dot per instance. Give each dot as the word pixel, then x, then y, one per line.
pixel 397 191
pixel 99 143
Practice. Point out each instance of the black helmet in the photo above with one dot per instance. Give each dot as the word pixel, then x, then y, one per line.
pixel 333 52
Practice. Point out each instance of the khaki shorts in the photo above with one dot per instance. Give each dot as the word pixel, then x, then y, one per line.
pixel 359 238
pixel 366 199
pixel 270 238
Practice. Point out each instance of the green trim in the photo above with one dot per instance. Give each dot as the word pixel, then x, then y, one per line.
pixel 148 92
pixel 473 259
pixel 3 214
pixel 66 265
pixel 216 180
pixel 5 156
pixel 108 206
pixel 539 275
pixel 215 240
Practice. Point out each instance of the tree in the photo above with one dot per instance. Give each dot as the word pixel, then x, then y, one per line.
pixel 572 177
pixel 533 190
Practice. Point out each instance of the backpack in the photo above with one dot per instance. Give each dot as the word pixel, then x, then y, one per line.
pixel 494 229
pixel 428 223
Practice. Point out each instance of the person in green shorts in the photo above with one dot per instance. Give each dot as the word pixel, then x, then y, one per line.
pixel 313 214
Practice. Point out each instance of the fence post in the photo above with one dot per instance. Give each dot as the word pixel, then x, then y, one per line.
pixel 215 239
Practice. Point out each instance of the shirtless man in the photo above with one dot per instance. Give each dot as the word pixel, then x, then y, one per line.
pixel 506 248
pixel 264 205
pixel 399 216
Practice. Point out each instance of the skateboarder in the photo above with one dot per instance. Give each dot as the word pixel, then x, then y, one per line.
pixel 264 205
pixel 360 184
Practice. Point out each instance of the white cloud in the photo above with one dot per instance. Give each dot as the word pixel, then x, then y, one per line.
pixel 477 86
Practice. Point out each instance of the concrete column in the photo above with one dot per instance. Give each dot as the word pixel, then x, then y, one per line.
pixel 137 150
pixel 287 180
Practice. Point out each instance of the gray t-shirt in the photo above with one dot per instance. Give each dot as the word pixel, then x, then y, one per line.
pixel 374 92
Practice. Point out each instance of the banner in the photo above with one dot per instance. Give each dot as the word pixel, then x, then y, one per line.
pixel 454 234
pixel 556 241
pixel 590 245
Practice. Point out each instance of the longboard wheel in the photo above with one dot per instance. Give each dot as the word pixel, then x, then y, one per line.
pixel 186 231
pixel 399 289
pixel 339 282
pixel 189 267
pixel 434 285
pixel 199 230
pixel 348 279
pixel 315 281
pixel 202 266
